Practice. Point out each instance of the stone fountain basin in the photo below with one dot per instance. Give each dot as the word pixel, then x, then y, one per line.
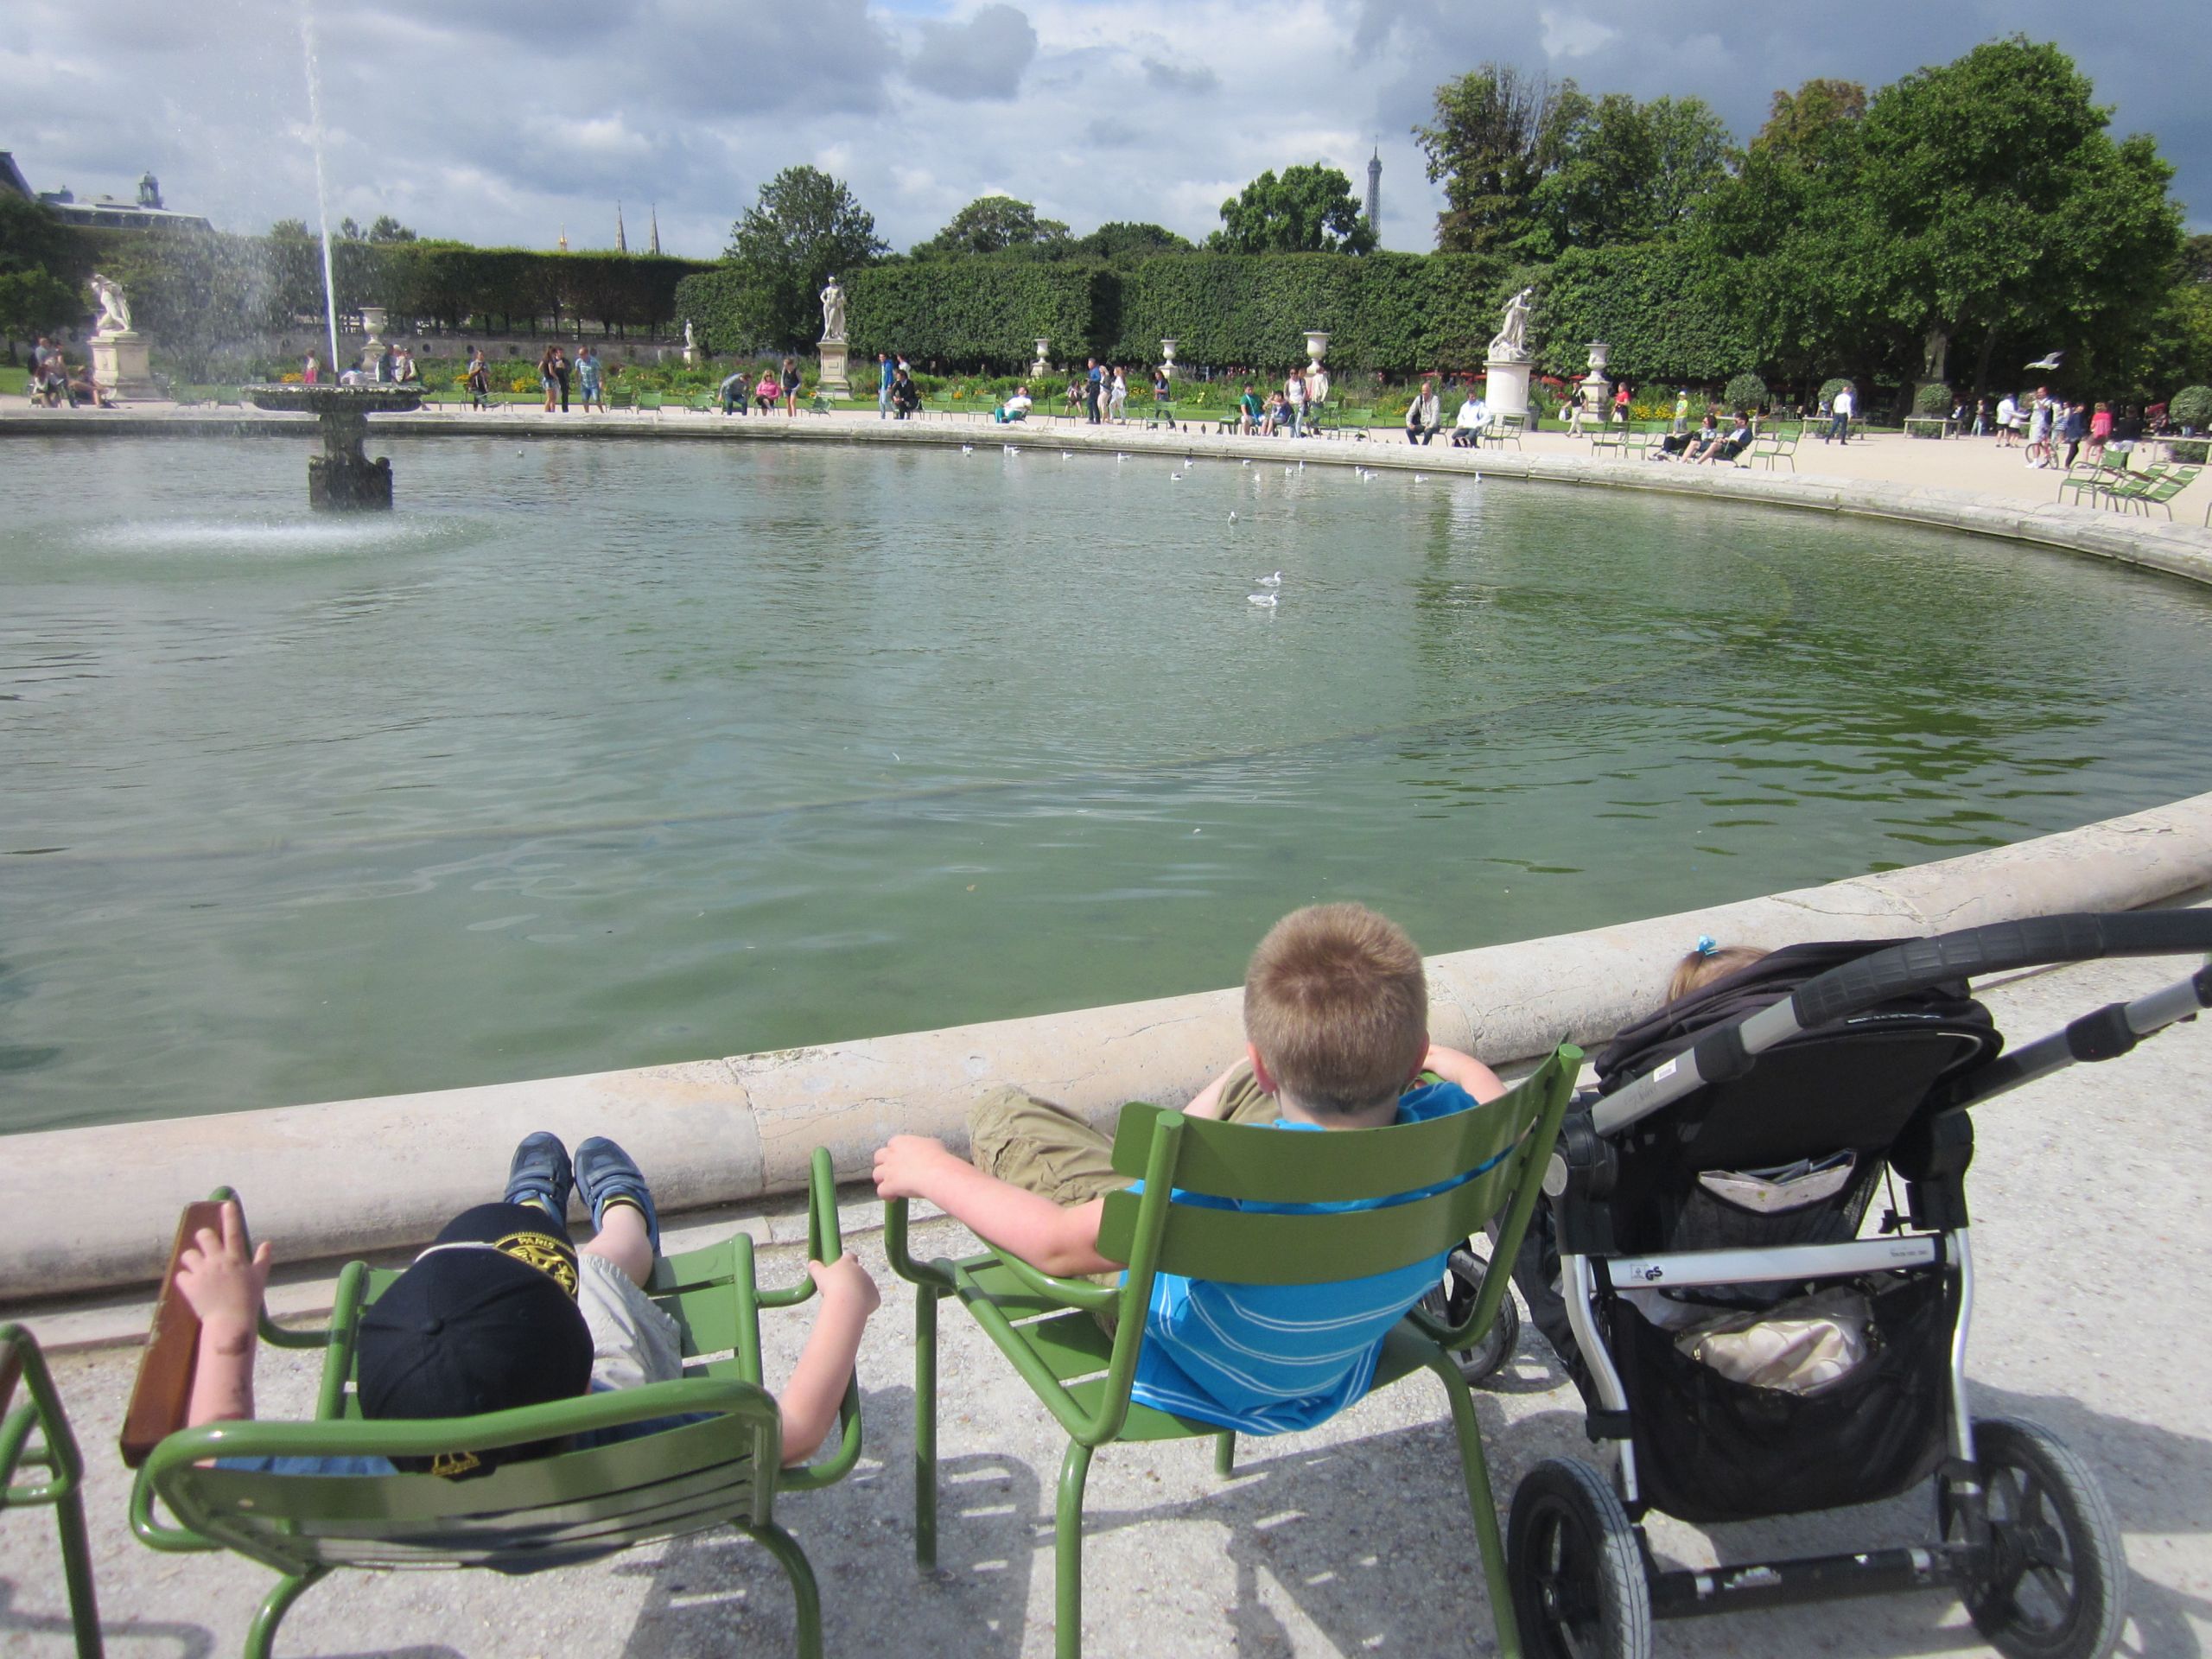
pixel 336 400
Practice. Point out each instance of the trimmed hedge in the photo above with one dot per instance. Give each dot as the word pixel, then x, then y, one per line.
pixel 2192 407
pixel 1934 398
pixel 1396 312
pixel 984 313
pixel 1650 302
pixel 1744 392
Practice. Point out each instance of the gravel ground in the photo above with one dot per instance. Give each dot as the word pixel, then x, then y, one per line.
pixel 2090 1193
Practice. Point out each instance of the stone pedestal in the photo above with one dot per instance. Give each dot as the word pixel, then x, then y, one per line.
pixel 1506 392
pixel 835 356
pixel 349 484
pixel 120 367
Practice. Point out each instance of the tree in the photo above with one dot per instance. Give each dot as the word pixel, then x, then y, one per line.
pixel 1307 210
pixel 349 231
pixel 996 225
pixel 1123 244
pixel 1796 121
pixel 805 227
pixel 1497 133
pixel 41 262
pixel 388 229
pixel 295 229
pixel 1624 172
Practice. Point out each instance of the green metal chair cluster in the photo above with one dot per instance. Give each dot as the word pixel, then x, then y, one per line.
pixel 1053 1329
pixel 60 1486
pixel 2123 489
pixel 722 1466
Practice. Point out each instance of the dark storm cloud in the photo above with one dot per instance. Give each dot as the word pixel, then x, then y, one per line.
pixel 981 58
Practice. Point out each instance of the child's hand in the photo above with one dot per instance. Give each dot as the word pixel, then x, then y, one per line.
pixel 222 1282
pixel 845 1280
pixel 903 1165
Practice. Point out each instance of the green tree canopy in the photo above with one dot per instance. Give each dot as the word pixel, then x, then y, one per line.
pixel 996 224
pixel 388 229
pixel 806 227
pixel 1307 210
pixel 1123 244
pixel 1621 171
pixel 1796 120
pixel 1497 133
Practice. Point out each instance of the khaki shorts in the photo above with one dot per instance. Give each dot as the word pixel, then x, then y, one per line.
pixel 632 1342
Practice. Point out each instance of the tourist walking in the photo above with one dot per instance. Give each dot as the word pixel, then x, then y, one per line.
pixel 1838 416
pixel 545 376
pixel 2099 432
pixel 790 383
pixel 2039 430
pixel 1162 391
pixel 885 374
pixel 1117 397
pixel 309 370
pixel 1093 384
pixel 480 379
pixel 1577 401
pixel 587 376
pixel 2008 421
pixel 1620 405
pixel 560 376
pixel 1293 393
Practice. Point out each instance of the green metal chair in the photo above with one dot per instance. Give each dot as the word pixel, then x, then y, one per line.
pixel 1045 1325
pixel 543 1512
pixel 55 1453
pixel 2161 490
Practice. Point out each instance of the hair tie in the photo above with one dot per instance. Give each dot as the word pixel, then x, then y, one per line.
pixel 1706 945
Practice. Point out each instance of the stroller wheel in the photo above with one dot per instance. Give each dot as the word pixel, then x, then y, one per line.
pixel 2054 1589
pixel 1454 1299
pixel 1576 1567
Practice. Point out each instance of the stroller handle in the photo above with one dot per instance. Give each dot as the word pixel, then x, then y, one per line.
pixel 1916 965
pixel 2001 947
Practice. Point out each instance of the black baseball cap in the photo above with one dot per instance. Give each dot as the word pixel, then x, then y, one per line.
pixel 485 1321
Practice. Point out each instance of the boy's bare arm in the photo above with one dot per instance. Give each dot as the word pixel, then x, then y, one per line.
pixel 1027 1224
pixel 809 1402
pixel 224 1286
pixel 1469 1073
pixel 1207 1101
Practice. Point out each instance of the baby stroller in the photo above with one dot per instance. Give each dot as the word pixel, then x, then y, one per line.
pixel 1701 1275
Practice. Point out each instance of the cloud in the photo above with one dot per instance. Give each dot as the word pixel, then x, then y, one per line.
pixel 1570 34
pixel 1172 77
pixel 982 57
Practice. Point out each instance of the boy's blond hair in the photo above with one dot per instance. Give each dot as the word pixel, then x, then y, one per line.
pixel 1337 1004
pixel 1703 968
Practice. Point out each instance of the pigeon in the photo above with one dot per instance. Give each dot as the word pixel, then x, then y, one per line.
pixel 1276 581
pixel 1266 601
pixel 2048 360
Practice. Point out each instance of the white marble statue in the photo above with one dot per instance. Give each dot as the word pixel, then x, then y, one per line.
pixel 115 310
pixel 689 343
pixel 833 312
pixel 1511 343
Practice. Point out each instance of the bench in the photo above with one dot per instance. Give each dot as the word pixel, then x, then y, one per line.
pixel 1914 425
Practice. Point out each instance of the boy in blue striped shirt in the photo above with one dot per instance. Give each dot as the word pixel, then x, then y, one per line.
pixel 1336 1022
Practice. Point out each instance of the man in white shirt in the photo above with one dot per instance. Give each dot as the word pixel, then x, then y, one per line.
pixel 1839 416
pixel 1467 428
pixel 2008 421
pixel 1293 390
pixel 1016 408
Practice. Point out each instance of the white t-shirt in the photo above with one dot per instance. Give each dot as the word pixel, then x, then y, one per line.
pixel 1295 389
pixel 1019 401
pixel 1842 404
pixel 1473 414
pixel 2008 412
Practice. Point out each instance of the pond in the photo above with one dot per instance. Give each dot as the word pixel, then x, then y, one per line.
pixel 599 754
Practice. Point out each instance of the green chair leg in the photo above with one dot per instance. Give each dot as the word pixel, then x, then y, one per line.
pixel 1067 1555
pixel 785 1548
pixel 1224 1452
pixel 77 1571
pixel 925 1301
pixel 261 1635
pixel 1476 1468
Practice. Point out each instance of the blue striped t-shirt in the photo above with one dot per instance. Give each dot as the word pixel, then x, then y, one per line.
pixel 1267 1359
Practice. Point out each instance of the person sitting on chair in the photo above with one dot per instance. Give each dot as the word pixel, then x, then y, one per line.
pixel 1016 408
pixel 732 392
pixel 1467 426
pixel 503 1311
pixel 1717 447
pixel 1336 1019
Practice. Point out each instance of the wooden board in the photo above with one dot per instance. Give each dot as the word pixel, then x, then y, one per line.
pixel 161 1397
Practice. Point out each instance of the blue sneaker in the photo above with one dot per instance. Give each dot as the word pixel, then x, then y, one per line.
pixel 541 1174
pixel 608 1175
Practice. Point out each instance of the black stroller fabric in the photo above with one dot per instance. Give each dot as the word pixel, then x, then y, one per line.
pixel 1709 1448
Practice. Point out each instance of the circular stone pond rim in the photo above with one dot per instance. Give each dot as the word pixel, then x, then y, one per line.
pixel 728 1130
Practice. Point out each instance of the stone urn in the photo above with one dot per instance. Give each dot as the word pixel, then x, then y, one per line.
pixel 1317 347
pixel 1042 365
pixel 1598 352
pixel 1167 356
pixel 373 322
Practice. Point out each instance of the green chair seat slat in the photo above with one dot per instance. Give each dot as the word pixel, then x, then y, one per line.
pixel 1007 1291
pixel 1073 1344
pixel 1243 1247
pixel 1142 1423
pixel 1245 1160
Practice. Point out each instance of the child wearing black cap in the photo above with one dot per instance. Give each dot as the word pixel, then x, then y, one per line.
pixel 503 1311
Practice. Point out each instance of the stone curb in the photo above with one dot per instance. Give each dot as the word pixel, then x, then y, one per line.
pixel 95 1209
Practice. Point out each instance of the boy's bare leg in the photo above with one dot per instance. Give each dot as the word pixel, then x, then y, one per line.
pixel 623 1239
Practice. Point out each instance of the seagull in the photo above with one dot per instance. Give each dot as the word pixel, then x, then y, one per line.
pixel 1012 450
pixel 1266 601
pixel 1120 457
pixel 1174 478
pixel 1246 462
pixel 1421 478
pixel 1065 453
pixel 1190 460
pixel 1276 581
pixel 1232 518
pixel 2049 360
pixel 967 448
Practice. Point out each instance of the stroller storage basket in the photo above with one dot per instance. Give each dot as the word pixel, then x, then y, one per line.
pixel 1711 1449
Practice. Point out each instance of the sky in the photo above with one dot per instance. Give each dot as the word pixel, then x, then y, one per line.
pixel 507 122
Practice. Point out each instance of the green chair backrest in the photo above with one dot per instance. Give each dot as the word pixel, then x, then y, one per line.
pixel 1476 1149
pixel 539 1512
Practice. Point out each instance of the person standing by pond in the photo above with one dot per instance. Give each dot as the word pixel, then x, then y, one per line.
pixel 1163 389
pixel 479 378
pixel 587 375
pixel 560 376
pixel 545 376
pixel 888 373
pixel 309 370
pixel 790 383
pixel 1117 397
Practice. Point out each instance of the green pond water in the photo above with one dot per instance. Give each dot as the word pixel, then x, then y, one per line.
pixel 595 755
